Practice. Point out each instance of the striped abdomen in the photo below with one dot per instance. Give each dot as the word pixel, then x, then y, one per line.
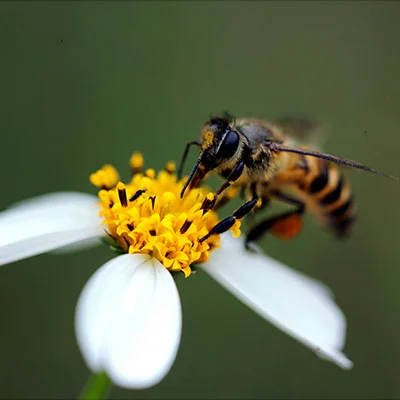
pixel 328 194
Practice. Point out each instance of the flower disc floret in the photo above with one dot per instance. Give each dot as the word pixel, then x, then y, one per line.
pixel 148 216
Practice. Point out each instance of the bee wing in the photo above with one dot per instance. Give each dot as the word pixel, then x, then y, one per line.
pixel 302 131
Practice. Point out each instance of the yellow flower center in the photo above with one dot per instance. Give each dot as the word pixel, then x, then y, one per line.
pixel 148 216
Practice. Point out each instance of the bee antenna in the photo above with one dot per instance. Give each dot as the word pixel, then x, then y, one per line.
pixel 184 156
pixel 328 157
pixel 192 173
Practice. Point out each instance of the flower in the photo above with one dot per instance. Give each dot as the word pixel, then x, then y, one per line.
pixel 128 317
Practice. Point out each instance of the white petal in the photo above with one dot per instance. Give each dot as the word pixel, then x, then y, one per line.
pixel 49 199
pixel 46 223
pixel 298 305
pixel 128 321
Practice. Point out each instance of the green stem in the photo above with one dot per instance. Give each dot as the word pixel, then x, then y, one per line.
pixel 97 387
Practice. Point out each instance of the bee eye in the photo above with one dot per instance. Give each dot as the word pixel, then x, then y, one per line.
pixel 229 145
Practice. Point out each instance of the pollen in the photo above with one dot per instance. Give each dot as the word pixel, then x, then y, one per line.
pixel 147 215
pixel 209 138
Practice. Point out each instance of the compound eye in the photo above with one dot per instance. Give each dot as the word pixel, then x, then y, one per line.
pixel 229 145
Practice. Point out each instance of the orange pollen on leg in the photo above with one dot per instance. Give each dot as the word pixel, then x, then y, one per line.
pixel 288 228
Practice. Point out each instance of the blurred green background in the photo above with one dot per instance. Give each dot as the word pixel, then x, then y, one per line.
pixel 83 84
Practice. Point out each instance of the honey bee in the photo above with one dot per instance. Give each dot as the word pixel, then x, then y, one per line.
pixel 262 159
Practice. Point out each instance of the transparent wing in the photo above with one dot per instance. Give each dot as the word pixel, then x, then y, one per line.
pixel 303 131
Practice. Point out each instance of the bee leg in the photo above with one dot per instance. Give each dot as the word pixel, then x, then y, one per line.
pixel 285 226
pixel 228 222
pixel 232 178
pixel 226 198
pixel 265 202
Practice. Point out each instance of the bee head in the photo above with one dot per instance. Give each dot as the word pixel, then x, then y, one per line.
pixel 220 142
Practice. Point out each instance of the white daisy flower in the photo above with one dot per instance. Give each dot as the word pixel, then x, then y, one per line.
pixel 128 318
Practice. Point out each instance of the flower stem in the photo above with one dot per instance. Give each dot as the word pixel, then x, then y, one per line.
pixel 97 387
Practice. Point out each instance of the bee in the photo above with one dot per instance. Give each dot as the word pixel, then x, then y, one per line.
pixel 262 159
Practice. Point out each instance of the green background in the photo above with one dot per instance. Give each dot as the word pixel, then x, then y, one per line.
pixel 83 84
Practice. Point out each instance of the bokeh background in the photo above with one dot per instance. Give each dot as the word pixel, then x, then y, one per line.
pixel 84 84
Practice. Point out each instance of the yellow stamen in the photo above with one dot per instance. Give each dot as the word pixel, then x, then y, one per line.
pixel 147 215
pixel 210 196
pixel 136 162
pixel 170 167
pixel 106 177
pixel 150 173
